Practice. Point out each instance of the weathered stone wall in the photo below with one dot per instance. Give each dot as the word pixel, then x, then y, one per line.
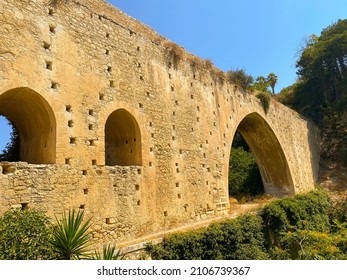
pixel 87 87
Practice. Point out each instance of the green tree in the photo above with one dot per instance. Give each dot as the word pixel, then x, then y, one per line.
pixel 240 78
pixel 321 90
pixel 12 149
pixel 70 236
pixel 261 84
pixel 244 175
pixel 272 80
pixel 25 235
pixel 323 62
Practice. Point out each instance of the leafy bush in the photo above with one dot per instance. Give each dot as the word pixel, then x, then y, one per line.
pixel 309 211
pixel 338 214
pixel 244 175
pixel 25 235
pixel 240 238
pixel 180 246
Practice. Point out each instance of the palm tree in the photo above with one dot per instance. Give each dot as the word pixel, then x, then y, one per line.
pixel 272 79
pixel 70 236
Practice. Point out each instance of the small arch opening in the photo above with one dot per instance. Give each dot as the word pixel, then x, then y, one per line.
pixel 34 124
pixel 120 129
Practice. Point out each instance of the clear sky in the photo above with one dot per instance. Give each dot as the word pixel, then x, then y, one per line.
pixel 260 36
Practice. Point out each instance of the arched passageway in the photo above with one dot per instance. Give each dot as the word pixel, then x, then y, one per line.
pixel 269 155
pixel 35 121
pixel 122 139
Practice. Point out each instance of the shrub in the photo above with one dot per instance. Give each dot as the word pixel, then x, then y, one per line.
pixel 312 245
pixel 241 238
pixel 309 211
pixel 25 235
pixel 180 246
pixel 240 77
pixel 338 214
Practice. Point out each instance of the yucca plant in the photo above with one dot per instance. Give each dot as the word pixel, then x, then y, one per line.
pixel 108 253
pixel 71 237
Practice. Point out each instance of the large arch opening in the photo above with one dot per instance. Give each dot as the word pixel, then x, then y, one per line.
pixel 268 153
pixel 35 122
pixel 122 139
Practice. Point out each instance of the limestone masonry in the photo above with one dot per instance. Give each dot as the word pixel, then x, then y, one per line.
pixel 118 121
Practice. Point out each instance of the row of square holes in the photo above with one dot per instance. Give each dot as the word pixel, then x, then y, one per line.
pixel 109 68
pixel 47 47
pixel 73 139
pixel 70 122
pixel 49 64
pixel 92 143
pixel 54 85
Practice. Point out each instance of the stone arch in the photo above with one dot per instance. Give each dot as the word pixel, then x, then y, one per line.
pixel 122 139
pixel 34 118
pixel 267 150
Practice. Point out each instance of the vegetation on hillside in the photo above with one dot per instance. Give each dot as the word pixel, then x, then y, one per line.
pixel 320 92
pixel 304 227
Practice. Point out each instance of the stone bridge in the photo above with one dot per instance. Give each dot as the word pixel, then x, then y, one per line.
pixel 119 121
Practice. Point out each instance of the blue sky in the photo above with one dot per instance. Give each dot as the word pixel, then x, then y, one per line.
pixel 261 36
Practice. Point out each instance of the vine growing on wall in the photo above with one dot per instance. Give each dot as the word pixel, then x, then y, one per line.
pixel 264 100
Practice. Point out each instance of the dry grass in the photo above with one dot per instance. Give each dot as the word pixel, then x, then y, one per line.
pixel 175 52
pixel 56 3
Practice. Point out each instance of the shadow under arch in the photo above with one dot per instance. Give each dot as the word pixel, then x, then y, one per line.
pixel 267 150
pixel 122 139
pixel 35 121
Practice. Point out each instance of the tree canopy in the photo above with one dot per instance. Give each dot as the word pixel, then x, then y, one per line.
pixel 320 92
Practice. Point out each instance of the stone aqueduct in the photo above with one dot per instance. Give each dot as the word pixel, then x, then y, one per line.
pixel 119 121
